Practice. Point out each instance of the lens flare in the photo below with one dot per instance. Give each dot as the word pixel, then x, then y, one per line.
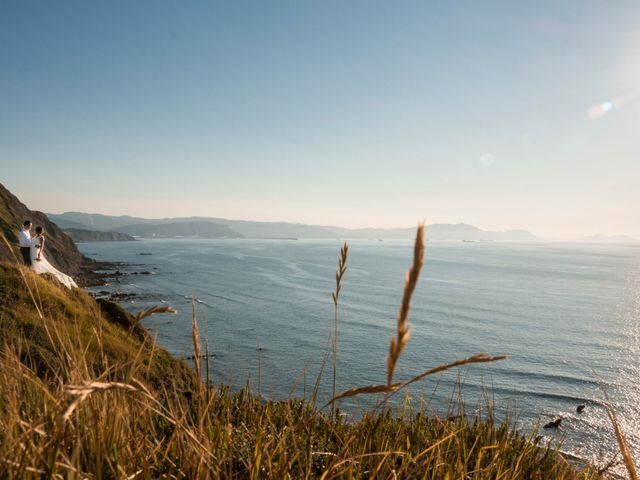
pixel 487 159
pixel 599 110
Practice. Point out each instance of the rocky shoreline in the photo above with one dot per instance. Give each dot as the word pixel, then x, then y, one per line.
pixel 111 274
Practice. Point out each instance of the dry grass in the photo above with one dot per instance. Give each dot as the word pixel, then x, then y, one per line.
pixel 93 429
pixel 342 268
pixel 195 337
pixel 403 333
pixel 99 414
pixel 621 438
pixel 36 305
pixel 402 337
pixel 395 387
pixel 155 310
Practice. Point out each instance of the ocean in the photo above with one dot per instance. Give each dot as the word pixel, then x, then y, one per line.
pixel 568 316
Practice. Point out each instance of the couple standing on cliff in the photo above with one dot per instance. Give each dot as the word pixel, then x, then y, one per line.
pixel 33 256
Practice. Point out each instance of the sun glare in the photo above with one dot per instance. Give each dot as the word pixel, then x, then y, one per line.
pixel 599 110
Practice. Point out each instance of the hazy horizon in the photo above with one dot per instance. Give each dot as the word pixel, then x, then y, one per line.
pixel 368 114
pixel 427 223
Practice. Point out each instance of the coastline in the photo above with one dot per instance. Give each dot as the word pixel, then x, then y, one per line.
pixel 149 285
pixel 291 415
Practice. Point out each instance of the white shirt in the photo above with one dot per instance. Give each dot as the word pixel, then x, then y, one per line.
pixel 25 239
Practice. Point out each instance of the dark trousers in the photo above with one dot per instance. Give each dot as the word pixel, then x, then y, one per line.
pixel 26 255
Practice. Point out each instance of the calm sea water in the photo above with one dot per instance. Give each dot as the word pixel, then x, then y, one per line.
pixel 568 316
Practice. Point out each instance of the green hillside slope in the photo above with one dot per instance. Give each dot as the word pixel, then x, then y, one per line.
pixel 84 393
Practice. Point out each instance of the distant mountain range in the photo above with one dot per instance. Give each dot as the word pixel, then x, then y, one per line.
pixel 203 227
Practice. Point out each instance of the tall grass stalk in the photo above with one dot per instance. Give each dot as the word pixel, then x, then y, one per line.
pixel 259 373
pixel 621 438
pixel 207 356
pixel 411 280
pixel 402 337
pixel 342 268
pixel 141 315
pixel 195 337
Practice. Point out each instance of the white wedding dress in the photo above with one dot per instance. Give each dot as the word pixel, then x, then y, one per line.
pixel 42 266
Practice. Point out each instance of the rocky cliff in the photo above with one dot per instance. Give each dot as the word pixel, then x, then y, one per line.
pixel 61 251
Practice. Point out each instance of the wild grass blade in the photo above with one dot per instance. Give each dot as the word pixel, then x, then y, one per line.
pixel 195 336
pixel 81 392
pixel 395 387
pixel 142 314
pixel 403 333
pixel 478 358
pixel 352 392
pixel 342 268
pixel 621 438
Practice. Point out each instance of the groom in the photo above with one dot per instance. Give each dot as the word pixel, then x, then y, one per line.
pixel 25 242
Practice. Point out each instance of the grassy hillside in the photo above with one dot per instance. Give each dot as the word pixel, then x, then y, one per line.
pixel 56 330
pixel 85 393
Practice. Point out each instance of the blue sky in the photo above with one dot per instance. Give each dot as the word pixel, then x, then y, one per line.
pixel 499 114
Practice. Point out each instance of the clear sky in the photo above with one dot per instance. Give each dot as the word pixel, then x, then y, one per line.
pixel 351 113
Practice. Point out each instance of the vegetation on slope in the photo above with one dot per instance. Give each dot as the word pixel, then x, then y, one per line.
pixel 56 330
pixel 85 393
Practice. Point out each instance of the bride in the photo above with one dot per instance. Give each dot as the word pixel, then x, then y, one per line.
pixel 40 264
